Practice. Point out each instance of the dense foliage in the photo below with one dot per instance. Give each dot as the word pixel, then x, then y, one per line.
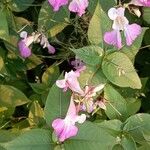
pixel 50 58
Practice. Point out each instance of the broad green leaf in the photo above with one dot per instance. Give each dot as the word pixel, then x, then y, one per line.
pixel 39 88
pixel 54 22
pixel 36 139
pixel 128 142
pixel 56 104
pixel 90 137
pixel 146 16
pixel 115 125
pixel 138 126
pixel 92 76
pixel 50 75
pixel 132 50
pixel 3 25
pixel 1 63
pixel 7 135
pixel 116 105
pixel 36 114
pixel 20 5
pixel 107 4
pixel 133 105
pixel 11 97
pixel 118 69
pixel 99 24
pixel 91 55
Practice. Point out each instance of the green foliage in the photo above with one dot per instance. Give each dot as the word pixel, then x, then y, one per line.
pixel 30 99
pixel 91 55
pixel 53 22
pixel 34 139
pixel 118 68
pixel 56 104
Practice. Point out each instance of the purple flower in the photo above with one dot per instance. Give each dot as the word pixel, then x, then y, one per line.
pixel 24 44
pixel 56 4
pixel 25 51
pixel 120 23
pixel 71 82
pixel 65 128
pixel 145 3
pixel 78 65
pixel 78 6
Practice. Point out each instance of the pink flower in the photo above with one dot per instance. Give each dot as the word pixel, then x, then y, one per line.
pixel 56 4
pixel 145 3
pixel 65 128
pixel 71 82
pixel 78 6
pixel 120 23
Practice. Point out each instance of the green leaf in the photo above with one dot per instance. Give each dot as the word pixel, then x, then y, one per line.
pixel 36 139
pixel 144 147
pixel 139 127
pixel 54 22
pixel 50 75
pixel 118 69
pixel 39 88
pixel 98 25
pixel 11 97
pixel 92 76
pixel 56 104
pixel 146 16
pixel 116 106
pixel 132 50
pixel 36 114
pixel 1 63
pixel 91 55
pixel 20 5
pixel 128 143
pixel 90 137
pixel 3 25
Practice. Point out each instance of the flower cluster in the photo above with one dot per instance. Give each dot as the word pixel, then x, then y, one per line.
pixel 82 100
pixel 27 40
pixel 77 6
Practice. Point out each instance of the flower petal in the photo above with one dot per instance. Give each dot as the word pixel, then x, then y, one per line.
pixel 51 49
pixel 61 83
pixel 68 131
pixel 131 32
pixel 112 13
pixel 78 6
pixel 58 125
pixel 113 38
pixel 141 3
pixel 56 4
pixel 25 51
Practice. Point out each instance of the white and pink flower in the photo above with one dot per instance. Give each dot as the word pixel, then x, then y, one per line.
pixel 121 23
pixel 66 128
pixel 70 81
